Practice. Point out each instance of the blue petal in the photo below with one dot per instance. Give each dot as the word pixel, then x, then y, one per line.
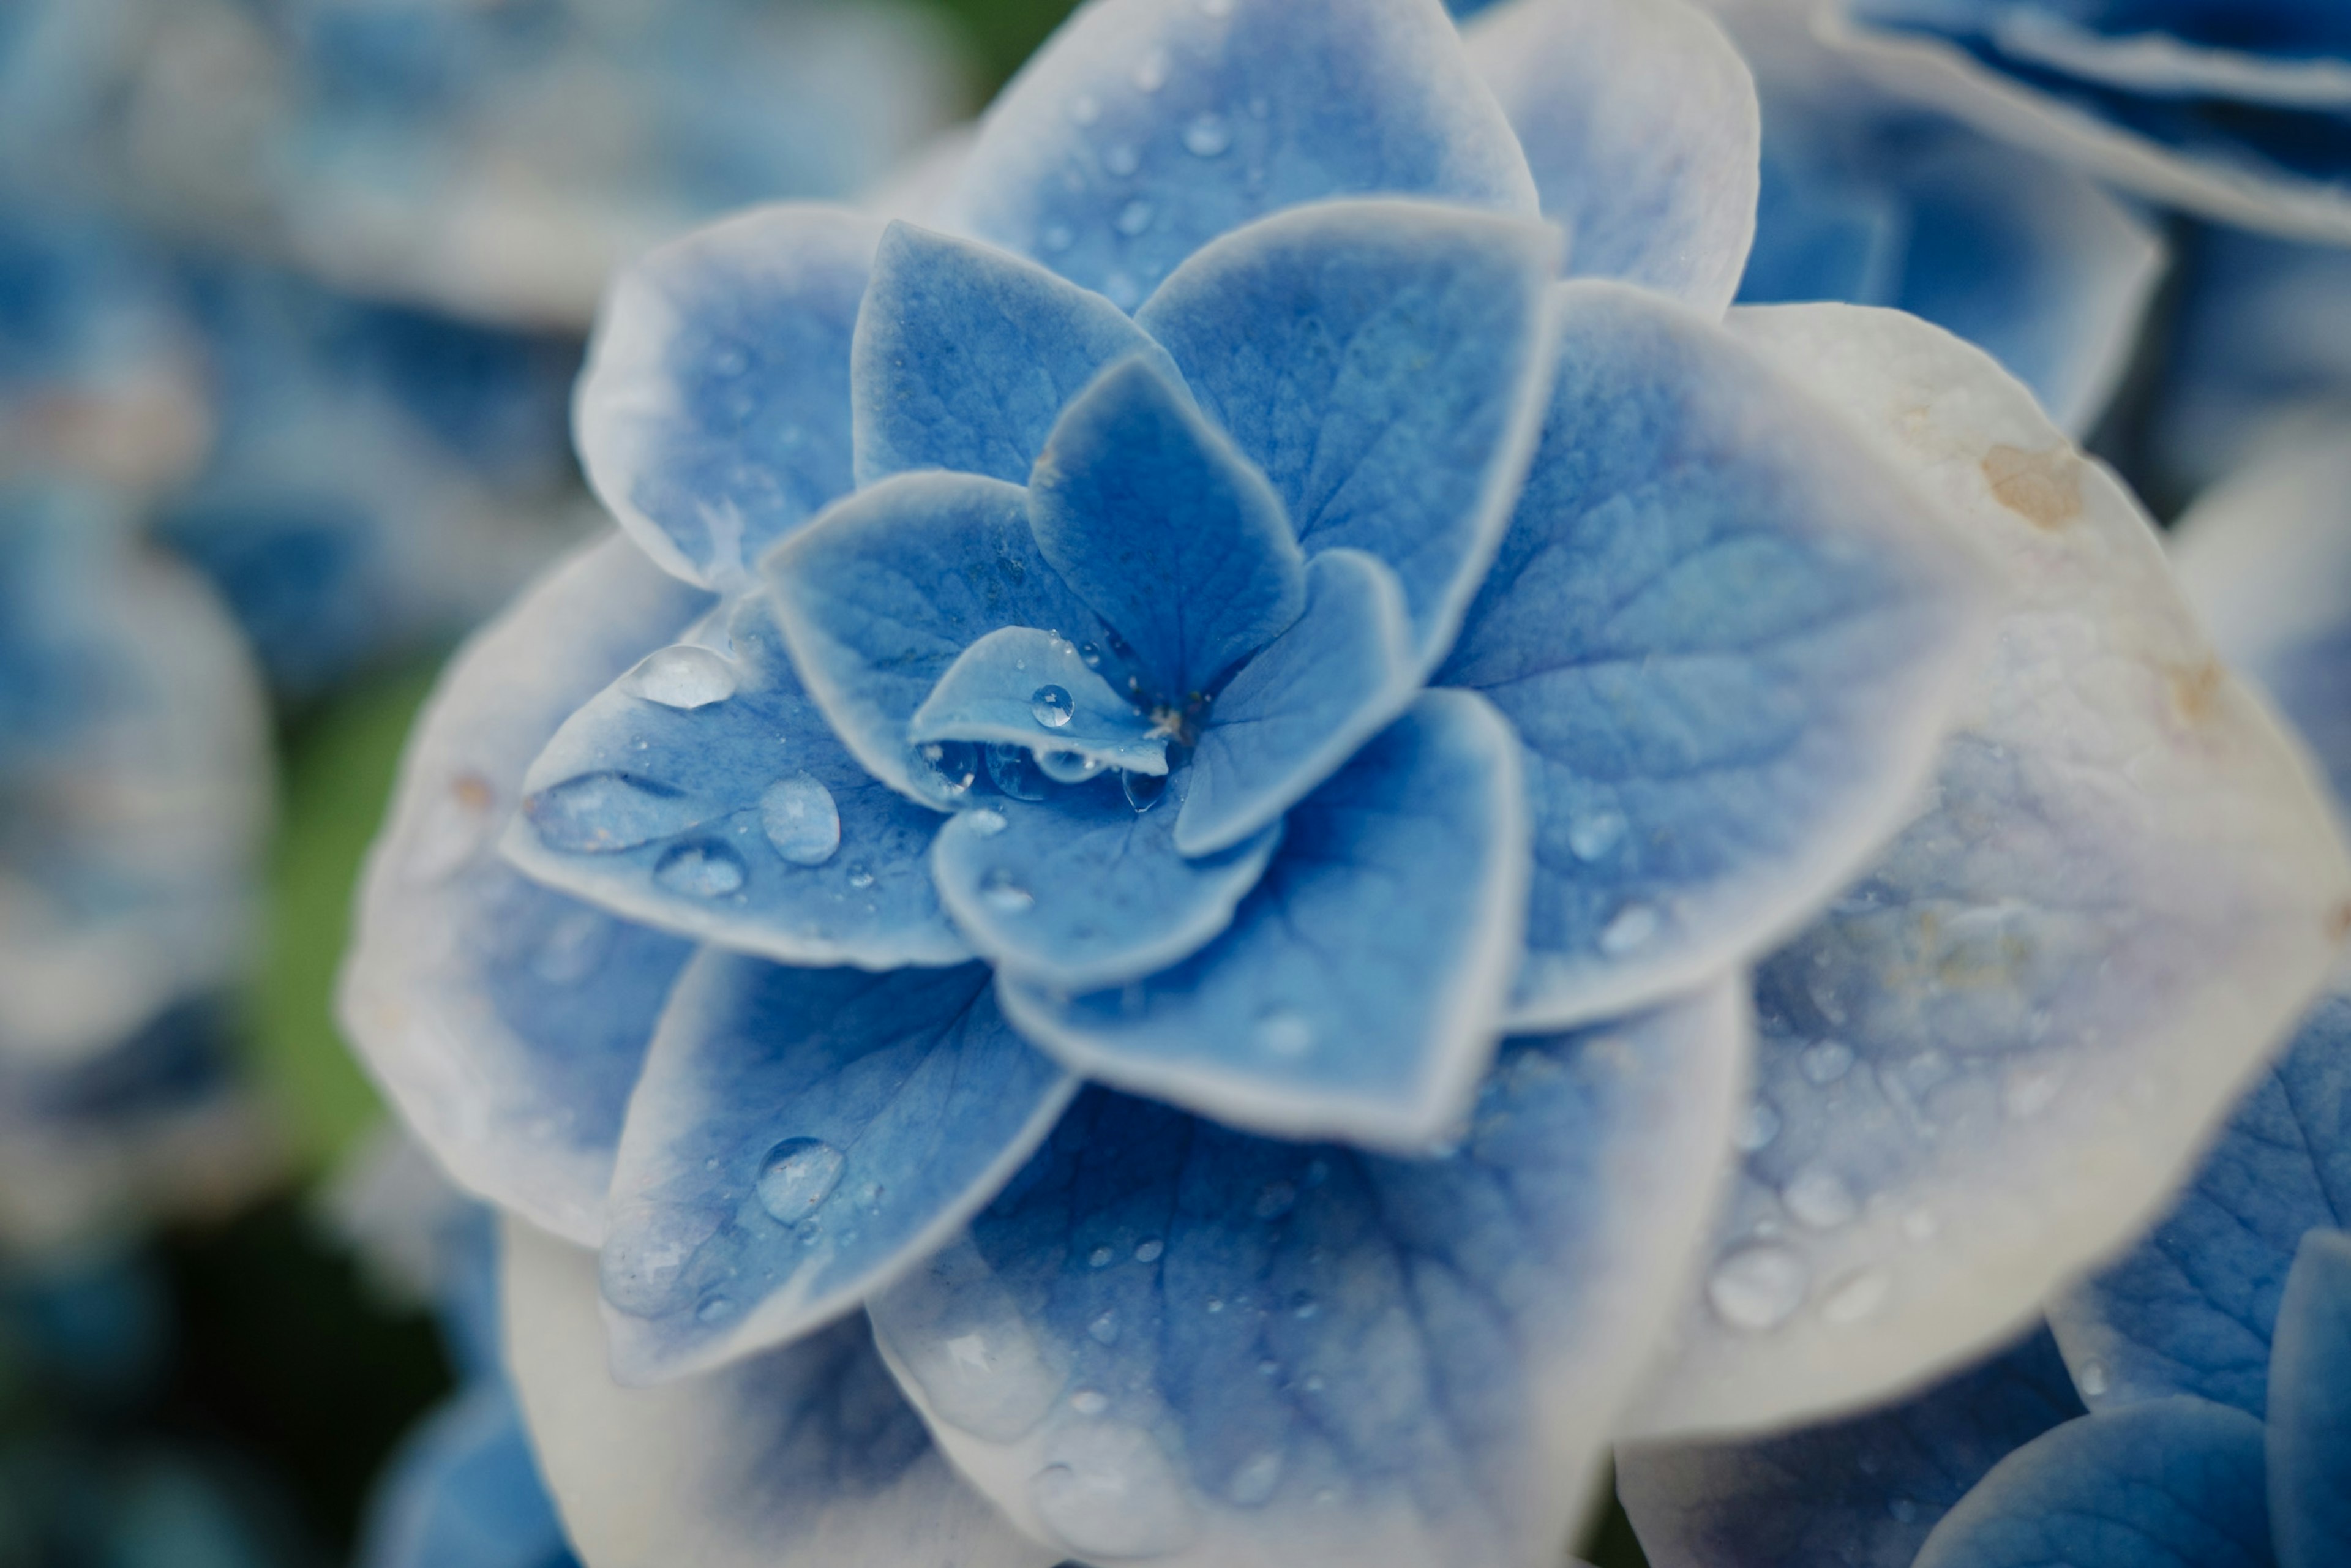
pixel 965 356
pixel 1727 635
pixel 1640 123
pixel 2190 1310
pixel 704 793
pixel 506 1020
pixel 1173 1341
pixel 1860 1493
pixel 1144 130
pixel 2174 1484
pixel 1166 531
pixel 882 595
pixel 2310 1408
pixel 802 1458
pixel 1085 887
pixel 464 1492
pixel 1361 987
pixel 1299 710
pixel 713 416
pixel 800 1137
pixel 1383 362
pixel 1023 687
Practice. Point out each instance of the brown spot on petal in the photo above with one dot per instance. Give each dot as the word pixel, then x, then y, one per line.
pixel 2045 488
pixel 2194 690
pixel 473 791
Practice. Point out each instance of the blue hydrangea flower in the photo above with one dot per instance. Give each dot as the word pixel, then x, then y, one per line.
pixel 2236 110
pixel 1123 910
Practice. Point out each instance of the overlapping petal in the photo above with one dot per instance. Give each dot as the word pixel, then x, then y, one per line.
pixel 1174 1341
pixel 1727 634
pixel 1144 130
pixel 799 1138
pixel 2309 1427
pixel 2165 1485
pixel 1981 1067
pixel 464 991
pixel 1863 1492
pixel 1032 691
pixel 464 1492
pixel 1360 989
pixel 802 1458
pixel 704 793
pixel 713 416
pixel 1640 126
pixel 1382 362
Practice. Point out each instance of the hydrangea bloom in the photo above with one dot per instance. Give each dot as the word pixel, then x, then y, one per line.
pixel 1205 611
pixel 2233 109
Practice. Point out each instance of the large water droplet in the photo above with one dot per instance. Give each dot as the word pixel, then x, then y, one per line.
pixel 1818 1197
pixel 1068 767
pixel 1757 1288
pixel 605 814
pixel 1113 1494
pixel 708 870
pixel 2092 1379
pixel 798 1175
pixel 1825 1060
pixel 945 769
pixel 1630 931
pixel 1143 790
pixel 1285 1031
pixel 683 676
pixel 1000 890
pixel 1591 836
pixel 802 819
pixel 1208 136
pixel 1052 707
pixel 1253 1484
pixel 1014 770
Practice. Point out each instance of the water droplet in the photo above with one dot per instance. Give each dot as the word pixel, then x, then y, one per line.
pixel 1015 772
pixel 1149 1251
pixel 683 676
pixel 802 819
pixel 1099 1258
pixel 1824 1062
pixel 1103 1329
pixel 715 1310
pixel 985 823
pixel 861 875
pixel 2092 1379
pixel 1275 1199
pixel 1068 767
pixel 1904 1510
pixel 1089 1402
pixel 1818 1197
pixel 701 871
pixel 1051 707
pixel 605 814
pixel 1285 1031
pixel 946 769
pixel 1120 159
pixel 1591 836
pixel 1113 1494
pixel 1633 926
pixel 798 1175
pixel 1856 1297
pixel 1150 71
pixel 1307 1310
pixel 1208 136
pixel 1002 891
pixel 2029 1089
pixel 1058 238
pixel 1143 790
pixel 1135 218
pixel 1761 1125
pixel 1216 1303
pixel 1253 1484
pixel 1757 1288
pixel 1090 656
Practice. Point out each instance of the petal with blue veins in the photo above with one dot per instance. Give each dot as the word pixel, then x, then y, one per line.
pixel 1640 125
pixel 1383 362
pixel 1361 988
pixel 2309 1427
pixel 714 415
pixel 1168 1340
pixel 804 1457
pixel 704 793
pixel 879 597
pixel 2192 1308
pixel 1861 1492
pixel 1145 129
pixel 801 1137
pixel 2172 1484
pixel 464 1491
pixel 1169 534
pixel 1984 1064
pixel 466 990
pixel 1023 687
pixel 1085 887
pixel 1300 709
pixel 1728 633
pixel 965 356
